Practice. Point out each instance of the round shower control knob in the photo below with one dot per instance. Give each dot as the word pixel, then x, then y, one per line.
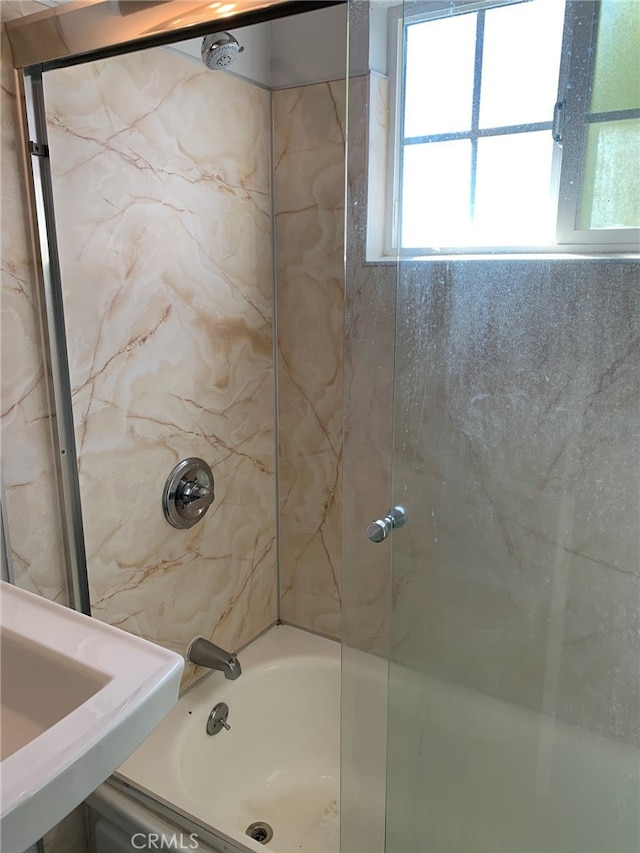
pixel 188 493
pixel 377 531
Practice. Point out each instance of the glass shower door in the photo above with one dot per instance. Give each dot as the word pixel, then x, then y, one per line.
pixel 513 710
pixel 508 652
pixel 513 720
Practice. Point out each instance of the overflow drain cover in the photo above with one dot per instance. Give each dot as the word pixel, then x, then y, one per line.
pixel 260 832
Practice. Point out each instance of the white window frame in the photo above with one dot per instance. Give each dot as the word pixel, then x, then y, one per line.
pixel 568 125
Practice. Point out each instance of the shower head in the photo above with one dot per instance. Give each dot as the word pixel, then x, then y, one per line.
pixel 219 50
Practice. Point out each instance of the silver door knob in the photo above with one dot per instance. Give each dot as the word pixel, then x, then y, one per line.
pixel 377 531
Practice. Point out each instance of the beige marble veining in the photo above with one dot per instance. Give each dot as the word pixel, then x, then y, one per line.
pixel 309 150
pixel 515 449
pixel 516 443
pixel 370 293
pixel 27 462
pixel 26 445
pixel 165 243
pixel 369 318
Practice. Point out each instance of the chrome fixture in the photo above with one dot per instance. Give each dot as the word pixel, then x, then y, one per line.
pixel 204 653
pixel 377 531
pixel 219 50
pixel 218 719
pixel 91 31
pixel 188 493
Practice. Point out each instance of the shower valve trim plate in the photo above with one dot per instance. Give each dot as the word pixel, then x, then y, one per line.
pixel 188 493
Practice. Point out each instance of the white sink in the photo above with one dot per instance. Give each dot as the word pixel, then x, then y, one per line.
pixel 77 697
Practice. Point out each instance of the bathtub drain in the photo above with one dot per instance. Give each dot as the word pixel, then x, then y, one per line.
pixel 259 831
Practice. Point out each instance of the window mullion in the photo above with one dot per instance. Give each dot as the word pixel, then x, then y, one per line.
pixel 475 110
pixel 507 130
pixel 613 115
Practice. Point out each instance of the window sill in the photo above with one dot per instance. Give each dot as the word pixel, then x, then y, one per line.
pixel 542 255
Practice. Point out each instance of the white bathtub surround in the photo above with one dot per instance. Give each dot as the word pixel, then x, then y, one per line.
pixel 484 769
pixel 280 761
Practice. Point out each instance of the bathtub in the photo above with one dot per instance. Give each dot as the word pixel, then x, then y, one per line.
pixel 279 764
pixel 498 777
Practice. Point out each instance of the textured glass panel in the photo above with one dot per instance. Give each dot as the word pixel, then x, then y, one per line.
pixel 435 198
pixel 514 686
pixel 512 714
pixel 616 78
pixel 611 189
pixel 513 203
pixel 520 64
pixel 439 91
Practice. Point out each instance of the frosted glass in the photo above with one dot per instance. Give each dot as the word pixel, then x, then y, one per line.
pixel 513 201
pixel 513 688
pixel 495 399
pixel 616 78
pixel 435 200
pixel 521 62
pixel 611 190
pixel 439 89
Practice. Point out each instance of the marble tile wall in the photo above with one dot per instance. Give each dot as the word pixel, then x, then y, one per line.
pixel 165 242
pixel 27 462
pixel 517 450
pixel 26 448
pixel 370 297
pixel 523 397
pixel 309 147
pixel 309 150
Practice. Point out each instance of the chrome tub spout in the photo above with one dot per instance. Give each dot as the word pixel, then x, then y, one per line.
pixel 202 652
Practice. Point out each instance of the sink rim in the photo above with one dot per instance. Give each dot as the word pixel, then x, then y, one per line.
pixel 19 696
pixel 89 743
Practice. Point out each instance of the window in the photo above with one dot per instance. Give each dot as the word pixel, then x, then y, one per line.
pixel 600 175
pixel 520 127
